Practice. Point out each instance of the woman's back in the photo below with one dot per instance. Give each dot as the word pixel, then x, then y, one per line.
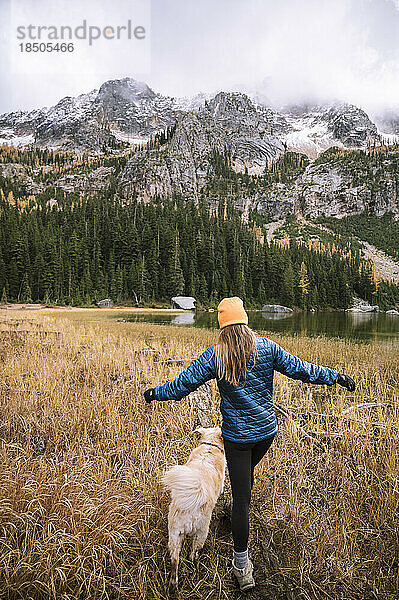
pixel 247 408
pixel 243 365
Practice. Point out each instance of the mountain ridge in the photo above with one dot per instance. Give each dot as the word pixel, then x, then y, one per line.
pixel 127 110
pixel 216 146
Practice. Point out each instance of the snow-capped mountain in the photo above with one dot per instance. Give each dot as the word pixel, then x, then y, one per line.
pixel 123 109
pixel 315 129
pixel 130 111
pixel 201 130
pixel 17 128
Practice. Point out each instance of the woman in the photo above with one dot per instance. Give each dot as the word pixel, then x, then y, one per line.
pixel 243 365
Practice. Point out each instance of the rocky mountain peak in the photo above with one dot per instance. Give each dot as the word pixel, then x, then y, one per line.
pixel 126 89
pixel 129 111
pixel 238 113
pixel 350 124
pixel 230 100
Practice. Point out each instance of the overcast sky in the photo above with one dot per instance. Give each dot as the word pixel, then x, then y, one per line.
pixel 290 50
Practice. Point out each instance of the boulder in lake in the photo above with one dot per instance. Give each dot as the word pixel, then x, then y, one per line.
pixel 370 308
pixel 106 303
pixel 365 308
pixel 183 302
pixel 360 305
pixel 276 308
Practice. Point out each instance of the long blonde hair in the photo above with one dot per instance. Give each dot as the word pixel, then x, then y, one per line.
pixel 233 350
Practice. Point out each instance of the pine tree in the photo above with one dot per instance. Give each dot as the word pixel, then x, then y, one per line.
pixel 142 283
pixel 288 284
pixel 261 293
pixel 176 279
pixel 304 284
pixel 26 294
pixel 202 289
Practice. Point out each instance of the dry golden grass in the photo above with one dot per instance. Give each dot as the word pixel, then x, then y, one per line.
pixel 82 513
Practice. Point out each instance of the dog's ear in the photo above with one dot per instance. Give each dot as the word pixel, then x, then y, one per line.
pixel 199 430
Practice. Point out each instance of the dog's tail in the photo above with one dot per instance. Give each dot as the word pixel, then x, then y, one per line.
pixel 187 487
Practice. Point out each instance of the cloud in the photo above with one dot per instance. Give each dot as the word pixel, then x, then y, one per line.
pixel 292 50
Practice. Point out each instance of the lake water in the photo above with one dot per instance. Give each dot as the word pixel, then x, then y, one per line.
pixel 357 326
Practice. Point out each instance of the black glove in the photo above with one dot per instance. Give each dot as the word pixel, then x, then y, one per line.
pixel 149 395
pixel 346 382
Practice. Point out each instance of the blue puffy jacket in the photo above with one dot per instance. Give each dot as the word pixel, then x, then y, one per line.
pixel 247 410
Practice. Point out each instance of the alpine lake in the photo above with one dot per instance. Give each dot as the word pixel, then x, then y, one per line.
pixel 357 326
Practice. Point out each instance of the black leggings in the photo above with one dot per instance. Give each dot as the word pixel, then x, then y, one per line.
pixel 241 461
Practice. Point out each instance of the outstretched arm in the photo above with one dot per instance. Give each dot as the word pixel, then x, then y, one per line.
pixel 201 370
pixel 295 368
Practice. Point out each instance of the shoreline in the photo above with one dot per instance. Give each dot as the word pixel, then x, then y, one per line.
pixel 42 308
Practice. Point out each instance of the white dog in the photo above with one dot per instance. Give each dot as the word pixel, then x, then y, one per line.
pixel 195 488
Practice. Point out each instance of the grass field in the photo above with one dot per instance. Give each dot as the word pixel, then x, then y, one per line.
pixel 82 512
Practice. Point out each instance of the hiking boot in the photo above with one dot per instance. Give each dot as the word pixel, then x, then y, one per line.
pixel 244 576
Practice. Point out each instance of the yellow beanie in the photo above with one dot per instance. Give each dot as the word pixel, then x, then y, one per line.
pixel 231 312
